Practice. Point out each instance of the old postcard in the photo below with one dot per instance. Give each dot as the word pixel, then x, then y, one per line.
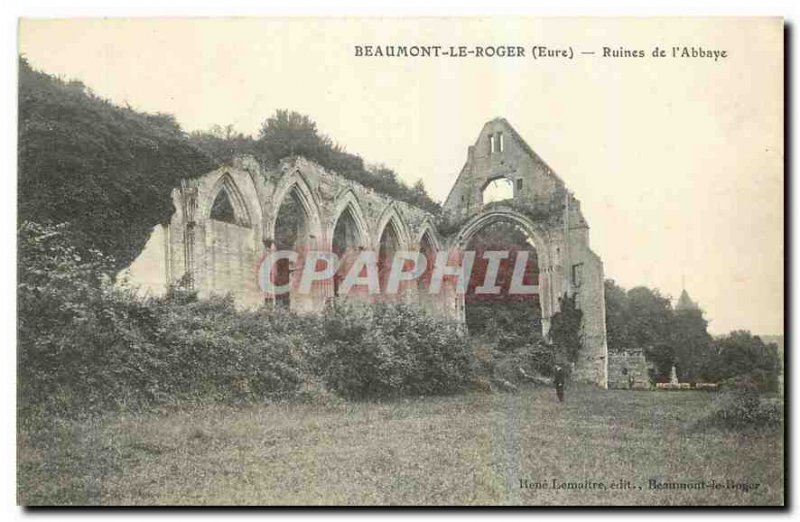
pixel 401 261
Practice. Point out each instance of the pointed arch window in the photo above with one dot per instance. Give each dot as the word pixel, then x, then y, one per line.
pixel 389 246
pixel 222 208
pixel 229 205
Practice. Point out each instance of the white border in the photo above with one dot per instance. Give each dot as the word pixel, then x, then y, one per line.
pixel 12 10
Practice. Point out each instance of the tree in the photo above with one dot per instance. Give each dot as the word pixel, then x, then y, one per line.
pixel 692 345
pixel 108 171
pixel 288 133
pixel 224 143
pixel 566 328
pixel 641 318
pixel 740 354
pixel 617 318
pixel 649 327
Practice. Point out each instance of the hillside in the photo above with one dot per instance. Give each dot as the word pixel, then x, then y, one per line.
pixel 109 171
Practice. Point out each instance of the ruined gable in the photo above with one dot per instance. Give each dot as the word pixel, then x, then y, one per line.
pixel 500 153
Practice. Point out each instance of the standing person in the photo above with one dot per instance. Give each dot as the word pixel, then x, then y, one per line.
pixel 558 380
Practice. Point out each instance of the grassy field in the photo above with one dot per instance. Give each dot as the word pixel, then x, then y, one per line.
pixel 470 449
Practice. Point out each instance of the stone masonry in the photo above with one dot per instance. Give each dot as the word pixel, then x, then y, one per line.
pixel 629 371
pixel 224 257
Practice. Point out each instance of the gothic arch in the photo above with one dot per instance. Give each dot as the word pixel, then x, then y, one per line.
pixel 296 182
pixel 429 228
pixel 429 245
pixel 391 217
pixel 348 202
pixel 245 215
pixel 541 242
pixel 479 221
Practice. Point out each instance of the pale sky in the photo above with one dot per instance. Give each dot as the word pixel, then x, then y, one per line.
pixel 678 163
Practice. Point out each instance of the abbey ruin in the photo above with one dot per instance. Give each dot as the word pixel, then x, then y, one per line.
pixel 224 226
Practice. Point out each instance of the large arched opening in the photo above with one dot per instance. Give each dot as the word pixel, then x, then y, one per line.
pixel 507 230
pixel 502 294
pixel 347 243
pixel 291 233
pixel 427 251
pixel 389 245
pixel 230 242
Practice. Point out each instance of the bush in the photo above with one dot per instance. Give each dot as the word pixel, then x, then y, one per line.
pixel 514 358
pixel 86 344
pixel 208 349
pixel 743 359
pixel 741 410
pixel 532 360
pixel 384 351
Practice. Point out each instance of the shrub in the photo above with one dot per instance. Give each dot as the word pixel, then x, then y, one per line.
pixel 86 344
pixel 741 410
pixel 390 350
pixel 59 304
pixel 743 359
pixel 209 349
pixel 510 357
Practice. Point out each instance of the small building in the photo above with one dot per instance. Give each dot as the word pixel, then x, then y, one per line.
pixel 628 370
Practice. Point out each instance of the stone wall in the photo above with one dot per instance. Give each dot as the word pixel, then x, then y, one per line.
pixel 551 217
pixel 531 178
pixel 224 257
pixel 628 370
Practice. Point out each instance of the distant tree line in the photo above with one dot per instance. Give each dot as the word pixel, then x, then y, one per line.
pixel 641 318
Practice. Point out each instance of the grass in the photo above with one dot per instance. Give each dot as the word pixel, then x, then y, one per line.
pixel 469 449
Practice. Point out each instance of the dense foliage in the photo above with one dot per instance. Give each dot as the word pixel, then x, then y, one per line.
pixel 743 360
pixel 390 350
pixel 566 329
pixel 86 345
pixel 693 346
pixel 642 318
pixel 512 357
pixel 504 311
pixel 288 133
pixel 742 409
pixel 107 170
